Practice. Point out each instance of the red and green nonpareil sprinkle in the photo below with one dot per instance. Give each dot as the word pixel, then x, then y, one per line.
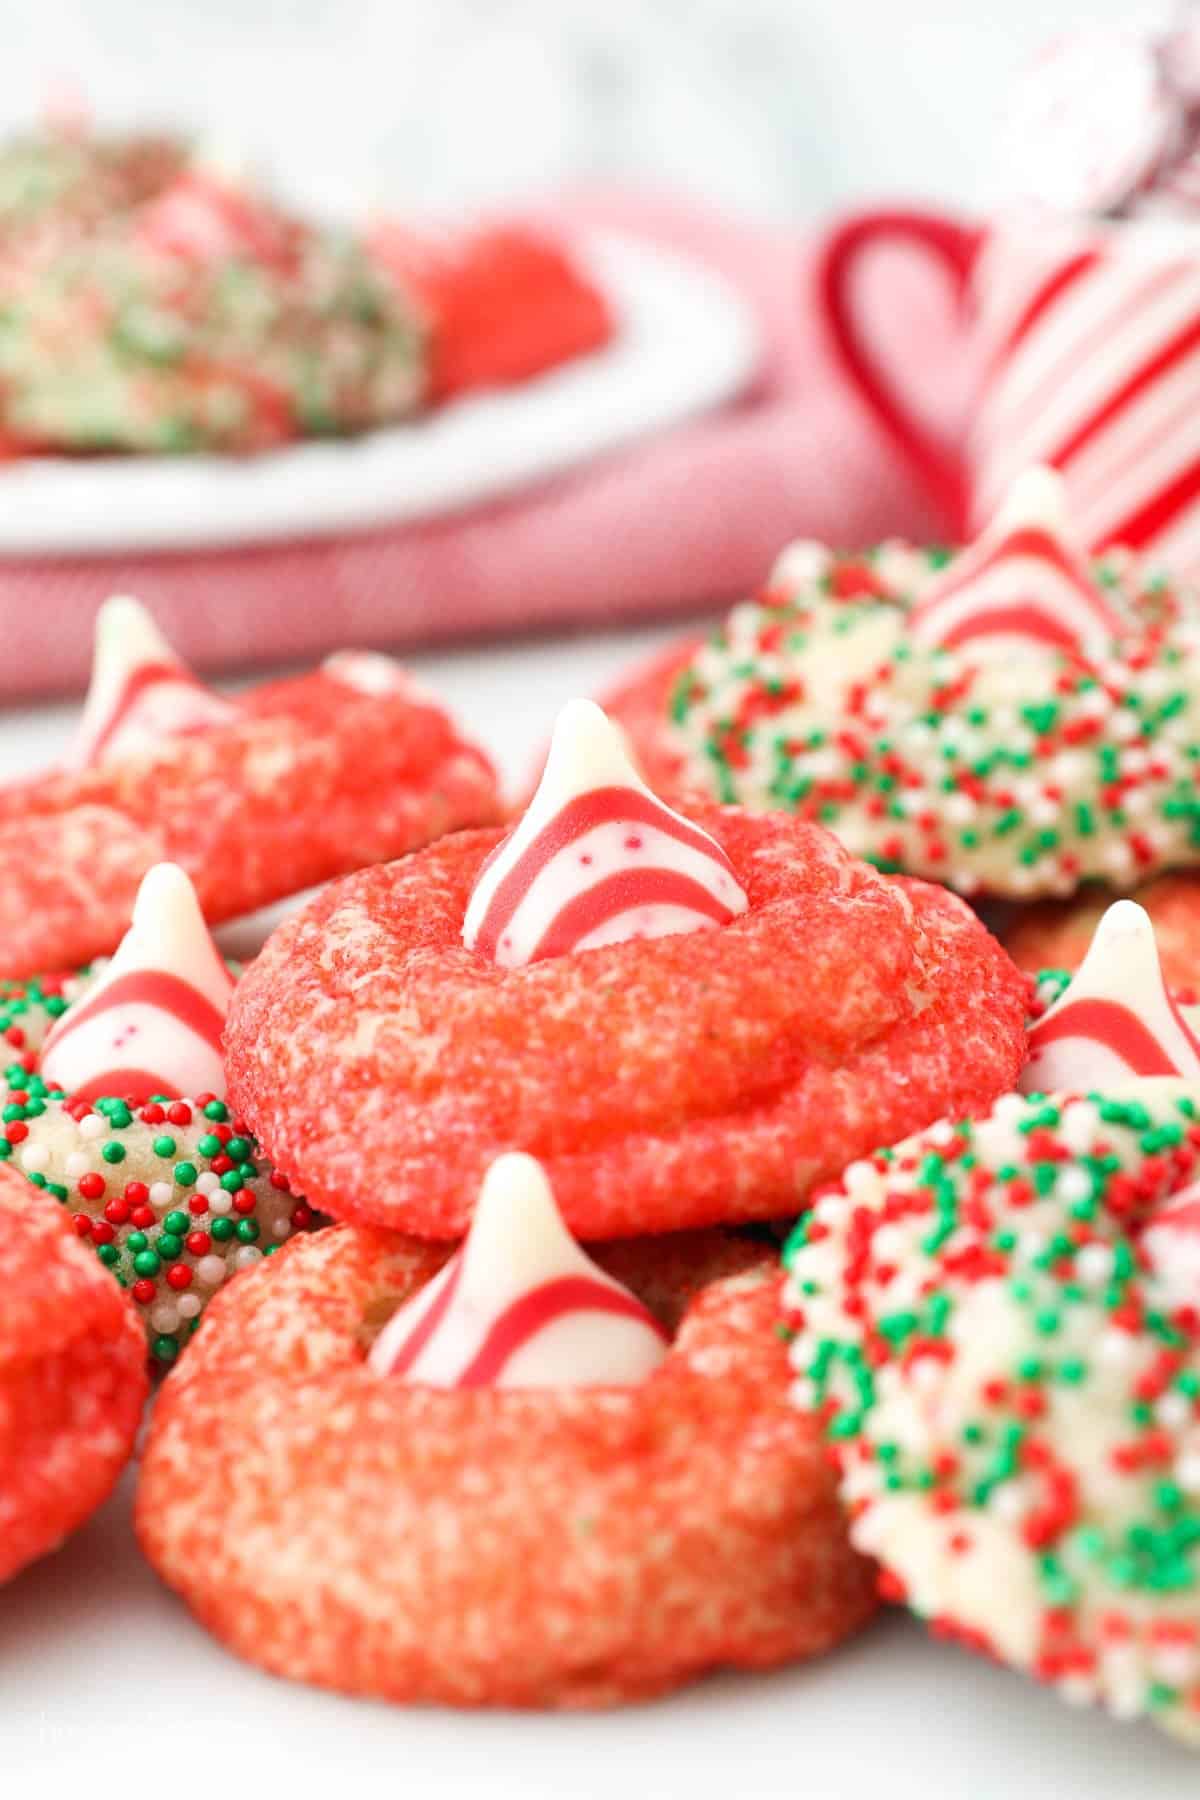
pixel 173 1195
pixel 1006 1384
pixel 992 778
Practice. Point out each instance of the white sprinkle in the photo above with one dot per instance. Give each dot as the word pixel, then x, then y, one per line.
pixel 890 1243
pixel 1117 1347
pixel 1187 1472
pixel 1074 1184
pixel 1007 1501
pixel 1078 1130
pixel 1093 1265
pixel 1173 1411
pixel 1175 1664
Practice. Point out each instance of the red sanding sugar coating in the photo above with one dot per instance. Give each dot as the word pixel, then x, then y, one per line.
pixel 687 1080
pixel 484 1546
pixel 72 1376
pixel 1055 934
pixel 310 779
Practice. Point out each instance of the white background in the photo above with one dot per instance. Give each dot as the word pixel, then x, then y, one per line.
pixel 781 107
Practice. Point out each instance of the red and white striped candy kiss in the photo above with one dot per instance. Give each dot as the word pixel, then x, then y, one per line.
pixel 1087 122
pixel 596 859
pixel 140 691
pixel 151 1022
pixel 1116 1020
pixel 1023 582
pixel 520 1305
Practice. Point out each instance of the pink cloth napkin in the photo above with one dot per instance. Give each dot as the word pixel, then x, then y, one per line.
pixel 682 521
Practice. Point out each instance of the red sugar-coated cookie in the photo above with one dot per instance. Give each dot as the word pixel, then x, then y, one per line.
pixel 72 1376
pixel 686 1080
pixel 311 778
pixel 503 304
pixel 484 1546
pixel 1056 933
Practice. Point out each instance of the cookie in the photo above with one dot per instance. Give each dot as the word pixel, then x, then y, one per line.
pixel 1008 1370
pixel 283 786
pixel 1013 721
pixel 402 1532
pixel 72 1378
pixel 704 1058
pixel 173 1197
pixel 195 315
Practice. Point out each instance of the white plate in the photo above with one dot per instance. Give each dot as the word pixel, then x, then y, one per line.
pixel 685 341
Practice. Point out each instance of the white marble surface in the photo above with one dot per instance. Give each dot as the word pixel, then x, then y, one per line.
pixel 107 1686
pixel 782 107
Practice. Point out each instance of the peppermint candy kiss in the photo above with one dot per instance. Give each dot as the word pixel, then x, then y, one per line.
pixel 1023 582
pixel 597 859
pixel 140 692
pixel 520 1305
pixel 1116 1019
pixel 151 1022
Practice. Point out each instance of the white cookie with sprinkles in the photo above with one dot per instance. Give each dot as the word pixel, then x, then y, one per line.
pixel 174 1196
pixel 1010 1386
pixel 1014 720
pixel 113 1103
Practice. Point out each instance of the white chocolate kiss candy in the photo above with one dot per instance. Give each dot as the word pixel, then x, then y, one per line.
pixel 1116 1019
pixel 371 673
pixel 151 1022
pixel 140 691
pixel 520 1305
pixel 1023 584
pixel 597 858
